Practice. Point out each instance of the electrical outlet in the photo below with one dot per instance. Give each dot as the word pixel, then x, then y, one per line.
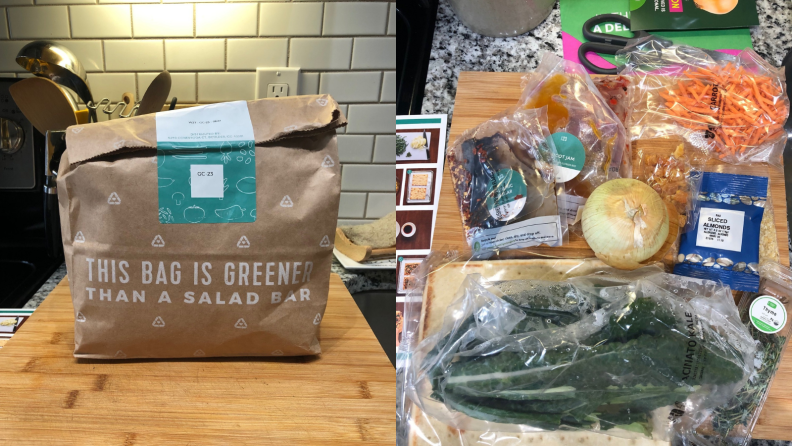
pixel 277 90
pixel 277 82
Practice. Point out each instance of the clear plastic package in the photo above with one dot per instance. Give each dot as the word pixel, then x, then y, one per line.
pixel 502 174
pixel 732 108
pixel 590 139
pixel 525 351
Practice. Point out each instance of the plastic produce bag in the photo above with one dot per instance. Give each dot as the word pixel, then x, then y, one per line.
pixel 502 172
pixel 639 354
pixel 765 314
pixel 732 108
pixel 589 137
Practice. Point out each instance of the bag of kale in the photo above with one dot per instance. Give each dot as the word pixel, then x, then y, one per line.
pixel 643 355
pixel 764 314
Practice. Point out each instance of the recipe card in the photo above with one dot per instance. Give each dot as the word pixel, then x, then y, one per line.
pixel 420 154
pixel 10 321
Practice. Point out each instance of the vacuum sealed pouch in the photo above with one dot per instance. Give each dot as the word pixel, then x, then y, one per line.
pixel 732 108
pixel 206 231
pixel 642 356
pixel 723 239
pixel 589 137
pixel 503 177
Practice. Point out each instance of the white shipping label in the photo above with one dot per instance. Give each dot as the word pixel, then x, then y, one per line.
pixel 226 121
pixel 533 232
pixel 206 180
pixel 720 229
pixel 568 205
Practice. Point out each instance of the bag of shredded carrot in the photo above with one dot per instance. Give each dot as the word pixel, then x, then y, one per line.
pixel 731 107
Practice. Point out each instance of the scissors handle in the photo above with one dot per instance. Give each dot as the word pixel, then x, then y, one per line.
pixel 603 43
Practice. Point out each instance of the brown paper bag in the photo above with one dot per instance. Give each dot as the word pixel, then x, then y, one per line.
pixel 144 289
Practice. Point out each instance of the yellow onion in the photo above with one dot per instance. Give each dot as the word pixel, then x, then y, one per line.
pixel 625 222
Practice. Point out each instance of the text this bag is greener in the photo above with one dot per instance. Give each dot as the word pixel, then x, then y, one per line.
pixel 206 231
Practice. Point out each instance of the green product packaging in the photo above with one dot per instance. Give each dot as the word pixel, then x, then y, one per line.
pixel 692 14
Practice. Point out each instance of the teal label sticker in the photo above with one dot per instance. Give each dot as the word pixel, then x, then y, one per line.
pixel 768 314
pixel 506 194
pixel 570 156
pixel 206 165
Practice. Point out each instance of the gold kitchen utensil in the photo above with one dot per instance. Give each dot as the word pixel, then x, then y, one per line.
pixel 43 103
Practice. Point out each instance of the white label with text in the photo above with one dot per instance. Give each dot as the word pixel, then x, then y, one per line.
pixel 720 229
pixel 206 180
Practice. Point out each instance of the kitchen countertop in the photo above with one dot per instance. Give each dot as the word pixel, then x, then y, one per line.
pixel 456 48
pixel 355 281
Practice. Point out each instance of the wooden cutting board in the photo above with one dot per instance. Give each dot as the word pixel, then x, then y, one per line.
pixel 345 396
pixel 481 95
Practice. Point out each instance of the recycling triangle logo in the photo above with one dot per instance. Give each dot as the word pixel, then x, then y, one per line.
pixel 114 199
pixel 243 242
pixel 79 238
pixel 328 162
pixel 158 322
pixel 287 202
pixel 158 242
pixel 80 317
pixel 277 353
pixel 199 352
pixel 325 242
pixel 120 354
pixel 318 318
pixel 240 323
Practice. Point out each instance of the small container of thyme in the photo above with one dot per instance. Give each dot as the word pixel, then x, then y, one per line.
pixel 765 313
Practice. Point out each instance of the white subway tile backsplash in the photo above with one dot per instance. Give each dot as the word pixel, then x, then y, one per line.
pixel 249 54
pixel 392 20
pixel 221 87
pixel 163 20
pixel 374 52
pixel 351 86
pixel 104 2
pixel 195 55
pixel 64 2
pixel 15 2
pixel 100 21
pixel 388 87
pixel 354 18
pixel 362 177
pixel 380 205
pixel 355 148
pixel 321 54
pixel 346 222
pixel 182 86
pixel 290 19
pixel 9 50
pixel 225 19
pixel 133 55
pixel 372 118
pixel 41 22
pixel 309 83
pixel 110 85
pixel 88 52
pixel 352 205
pixel 385 149
pixel 3 25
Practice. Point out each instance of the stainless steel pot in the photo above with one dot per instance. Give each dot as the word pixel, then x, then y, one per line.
pixel 502 18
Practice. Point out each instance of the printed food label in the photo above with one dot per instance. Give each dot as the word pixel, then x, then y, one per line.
pixel 720 229
pixel 506 194
pixel 570 156
pixel 768 314
pixel 532 232
pixel 568 205
pixel 206 164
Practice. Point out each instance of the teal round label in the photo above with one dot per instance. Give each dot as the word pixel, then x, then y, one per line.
pixel 506 194
pixel 569 158
pixel 768 314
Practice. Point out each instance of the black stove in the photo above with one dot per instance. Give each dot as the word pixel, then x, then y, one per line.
pixel 415 22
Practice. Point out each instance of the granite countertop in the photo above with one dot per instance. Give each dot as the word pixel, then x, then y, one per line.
pixel 355 281
pixel 456 48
